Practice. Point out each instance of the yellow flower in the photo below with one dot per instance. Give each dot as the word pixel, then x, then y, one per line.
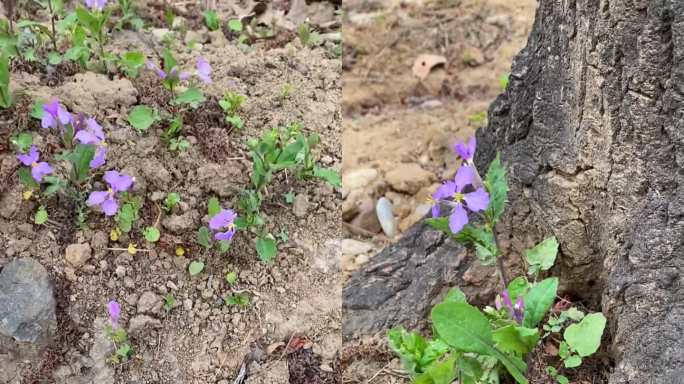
pixel 180 251
pixel 27 194
pixel 132 249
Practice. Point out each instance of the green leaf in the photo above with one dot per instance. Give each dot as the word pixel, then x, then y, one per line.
pixel 239 299
pixel 80 160
pixel 41 216
pixel 518 287
pixel 542 256
pixel 231 277
pixel 573 313
pixel 503 81
pixel 37 109
pixel 151 234
pixel 22 142
pixel 585 336
pixel 497 186
pixel 195 267
pixel 26 178
pixel 266 248
pixel 235 121
pixel 573 361
pixel 455 295
pixel 289 197
pixel 330 175
pixel 539 300
pixel 141 117
pixel 132 62
pixel 203 236
pixel 223 246
pixel 443 372
pixel 169 301
pixel 484 254
pixel 5 91
pixel 211 19
pixel 192 96
pixel 54 58
pixel 235 25
pixel 465 328
pixel 514 339
pixel 172 199
pixel 213 207
pixel 169 61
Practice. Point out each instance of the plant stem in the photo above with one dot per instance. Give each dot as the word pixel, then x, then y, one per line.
pixel 53 37
pixel 499 259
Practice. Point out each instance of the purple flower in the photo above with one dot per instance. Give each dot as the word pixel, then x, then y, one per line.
pixel 54 113
pixel 516 311
pixel 38 169
pixel 451 193
pixel 106 200
pixel 114 310
pixel 204 70
pixel 223 219
pixel 160 72
pixel 96 4
pixel 93 134
pixel 466 151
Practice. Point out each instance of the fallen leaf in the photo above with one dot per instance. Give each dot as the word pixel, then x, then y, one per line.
pixel 550 349
pixel 424 64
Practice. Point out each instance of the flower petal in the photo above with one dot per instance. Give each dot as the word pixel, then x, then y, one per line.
pixel 31 157
pixel 40 170
pixel 96 198
pixel 86 137
pixel 225 236
pixel 464 176
pixel 222 219
pixel 48 121
pixel 465 151
pixel 95 129
pixel 99 159
pixel 63 115
pixel 119 182
pixel 445 191
pixel 204 70
pixel 110 206
pixel 458 218
pixel 477 200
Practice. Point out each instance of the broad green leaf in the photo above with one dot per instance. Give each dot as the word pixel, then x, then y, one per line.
pixel 132 61
pixel 266 248
pixel 518 287
pixel 37 109
pixel 54 58
pixel 539 300
pixel 455 295
pixel 211 20
pixel 484 254
pixel 213 207
pixel 151 234
pixel 330 175
pixel 465 328
pixel 235 25
pixel 585 336
pixel 41 216
pixel 443 372
pixel 542 256
pixel 195 267
pixel 80 160
pixel 192 96
pixel 141 117
pixel 573 361
pixel 5 91
pixel 172 199
pixel 514 339
pixel 235 121
pixel 203 236
pixel 22 142
pixel 223 246
pixel 497 186
pixel 26 178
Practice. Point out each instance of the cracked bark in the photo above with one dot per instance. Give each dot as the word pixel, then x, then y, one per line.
pixel 591 129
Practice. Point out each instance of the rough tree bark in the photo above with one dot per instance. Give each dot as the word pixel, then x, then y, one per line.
pixel 591 129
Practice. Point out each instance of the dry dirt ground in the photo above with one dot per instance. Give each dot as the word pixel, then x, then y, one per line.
pixel 399 130
pixel 200 340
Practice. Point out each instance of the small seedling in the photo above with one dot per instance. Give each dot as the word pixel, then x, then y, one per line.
pixel 169 302
pixel 231 278
pixel 307 36
pixel 239 299
pixel 151 234
pixel 195 267
pixel 172 199
pixel 289 197
pixel 211 20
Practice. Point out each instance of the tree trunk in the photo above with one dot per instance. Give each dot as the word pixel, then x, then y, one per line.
pixel 591 129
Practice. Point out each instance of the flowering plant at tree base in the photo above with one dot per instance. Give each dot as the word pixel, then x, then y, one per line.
pixel 474 346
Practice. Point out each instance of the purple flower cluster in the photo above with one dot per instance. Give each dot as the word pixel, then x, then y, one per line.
pixel 203 71
pixel 453 195
pixel 96 4
pixel 223 220
pixel 114 310
pixel 55 115
pixel 39 169
pixel 93 134
pixel 107 200
pixel 516 311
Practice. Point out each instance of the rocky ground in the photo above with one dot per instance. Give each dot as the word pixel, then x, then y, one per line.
pixel 290 330
pixel 399 129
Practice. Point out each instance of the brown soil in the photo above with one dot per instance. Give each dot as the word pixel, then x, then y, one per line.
pixel 200 340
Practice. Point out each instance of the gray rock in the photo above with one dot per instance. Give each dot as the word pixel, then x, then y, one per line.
pixel 355 247
pixel 179 223
pixel 142 322
pixel 386 217
pixel 366 218
pixel 300 205
pixel 27 302
pixel 409 178
pixel 149 303
pixel 78 254
pixel 102 348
